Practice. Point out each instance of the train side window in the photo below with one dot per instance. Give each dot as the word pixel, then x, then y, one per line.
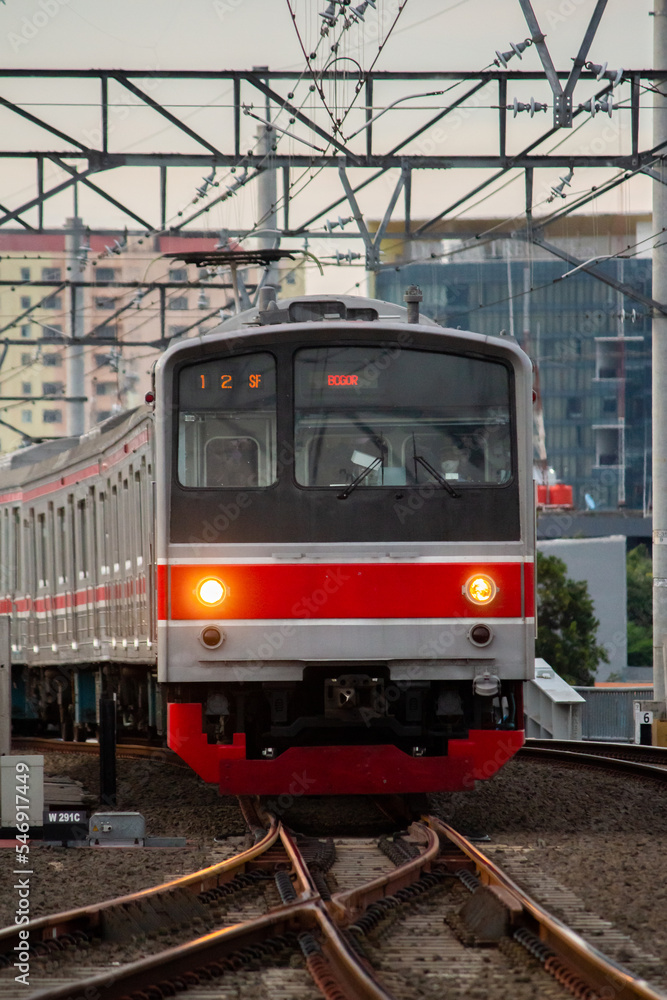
pixel 51 546
pixel 16 550
pixel 61 545
pixel 30 579
pixel 113 517
pixel 82 519
pixel 92 537
pixel 127 513
pixel 103 520
pixel 74 548
pixel 227 423
pixel 139 494
pixel 42 571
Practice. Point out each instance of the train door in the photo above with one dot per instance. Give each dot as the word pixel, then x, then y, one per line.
pixel 42 590
pixel 52 576
pixel 128 550
pixel 93 555
pixel 29 588
pixel 114 566
pixel 82 555
pixel 69 545
pixel 102 522
pixel 140 575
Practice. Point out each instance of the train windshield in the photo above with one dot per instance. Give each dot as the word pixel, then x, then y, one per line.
pixel 227 422
pixel 390 416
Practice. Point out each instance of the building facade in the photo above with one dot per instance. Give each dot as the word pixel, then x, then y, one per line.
pixel 133 299
pixel 590 343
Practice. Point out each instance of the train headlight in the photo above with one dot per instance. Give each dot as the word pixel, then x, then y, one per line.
pixel 480 589
pixel 211 592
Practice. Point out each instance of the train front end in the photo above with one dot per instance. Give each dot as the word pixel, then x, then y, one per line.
pixel 345 551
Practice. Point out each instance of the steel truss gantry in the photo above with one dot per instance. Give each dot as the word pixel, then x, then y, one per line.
pixel 83 161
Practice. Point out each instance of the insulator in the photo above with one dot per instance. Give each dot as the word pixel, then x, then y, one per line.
pixel 520 47
pixel 330 226
pixel 330 12
pixel 502 57
pixel 589 106
pixel 515 50
pixel 516 106
pixel 605 105
pixel 600 70
pixel 597 68
pixel 359 11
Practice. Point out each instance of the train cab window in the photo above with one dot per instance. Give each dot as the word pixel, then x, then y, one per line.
pixel 227 422
pixel 378 416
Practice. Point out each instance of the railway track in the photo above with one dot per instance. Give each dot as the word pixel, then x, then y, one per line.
pixel 648 762
pixel 422 913
pixel 124 751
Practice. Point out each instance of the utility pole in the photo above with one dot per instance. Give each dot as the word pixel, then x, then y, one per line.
pixel 75 366
pixel 659 294
pixel 267 192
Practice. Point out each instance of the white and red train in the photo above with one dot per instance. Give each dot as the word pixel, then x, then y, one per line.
pixel 309 563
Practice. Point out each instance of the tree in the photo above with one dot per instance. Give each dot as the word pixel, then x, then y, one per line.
pixel 567 626
pixel 640 607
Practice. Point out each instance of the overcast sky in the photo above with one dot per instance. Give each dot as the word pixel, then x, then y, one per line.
pixel 234 34
pixel 238 34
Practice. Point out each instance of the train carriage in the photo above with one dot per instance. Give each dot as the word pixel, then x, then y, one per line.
pixel 77 565
pixel 323 525
pixel 345 536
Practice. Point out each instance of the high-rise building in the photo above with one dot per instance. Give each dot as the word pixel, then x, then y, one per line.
pixel 590 342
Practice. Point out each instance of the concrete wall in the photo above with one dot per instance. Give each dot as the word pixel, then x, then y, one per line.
pixel 601 563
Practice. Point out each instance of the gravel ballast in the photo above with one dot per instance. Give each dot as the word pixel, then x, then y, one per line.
pixel 603 836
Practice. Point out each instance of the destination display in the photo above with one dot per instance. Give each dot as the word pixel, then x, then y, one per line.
pixel 242 382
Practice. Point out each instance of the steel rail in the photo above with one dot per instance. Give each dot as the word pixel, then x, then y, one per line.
pixel 601 972
pixel 90 919
pixel 604 748
pixel 188 963
pixel 126 751
pixel 346 906
pixel 578 758
pixel 334 965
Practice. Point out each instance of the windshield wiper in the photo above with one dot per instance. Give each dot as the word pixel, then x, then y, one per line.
pixel 360 478
pixel 420 460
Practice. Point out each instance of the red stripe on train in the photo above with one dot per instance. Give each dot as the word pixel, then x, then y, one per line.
pixel 88 596
pixel 348 590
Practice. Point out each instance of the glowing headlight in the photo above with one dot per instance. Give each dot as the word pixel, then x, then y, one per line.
pixel 480 589
pixel 211 592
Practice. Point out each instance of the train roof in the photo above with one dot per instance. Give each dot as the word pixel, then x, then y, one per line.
pixel 322 313
pixel 47 458
pixel 320 308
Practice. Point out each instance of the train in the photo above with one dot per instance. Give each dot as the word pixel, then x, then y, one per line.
pixel 306 562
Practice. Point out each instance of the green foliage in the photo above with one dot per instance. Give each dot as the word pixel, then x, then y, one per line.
pixel 567 626
pixel 640 607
